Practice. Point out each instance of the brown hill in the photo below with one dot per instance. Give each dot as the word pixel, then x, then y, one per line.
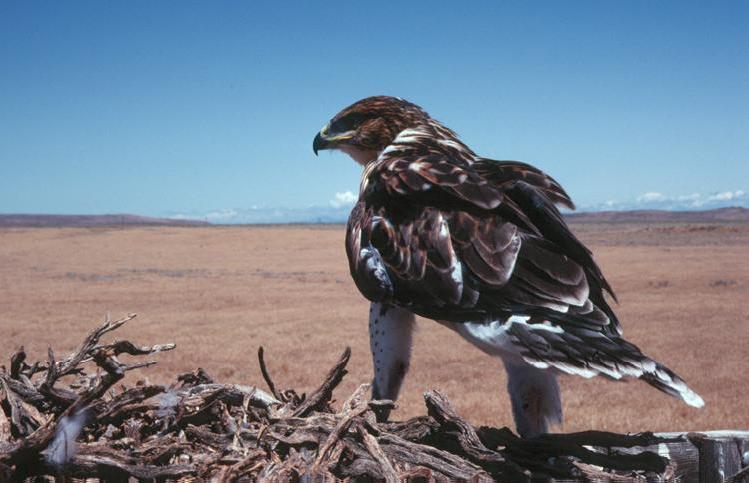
pixel 729 214
pixel 26 220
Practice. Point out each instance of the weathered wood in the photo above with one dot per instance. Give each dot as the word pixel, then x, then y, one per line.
pixel 719 456
pixel 375 450
pixel 325 392
pixel 457 431
pixel 696 457
pixel 740 477
pixel 266 374
pixel 682 456
pixel 16 362
pixel 200 429
pixel 744 449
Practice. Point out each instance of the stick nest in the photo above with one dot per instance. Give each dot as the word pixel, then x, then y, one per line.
pixel 66 418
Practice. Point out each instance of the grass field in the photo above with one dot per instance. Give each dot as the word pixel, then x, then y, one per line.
pixel 220 292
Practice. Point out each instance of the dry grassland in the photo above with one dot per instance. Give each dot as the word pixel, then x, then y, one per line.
pixel 220 292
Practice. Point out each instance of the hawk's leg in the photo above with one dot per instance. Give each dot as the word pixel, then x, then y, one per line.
pixel 536 402
pixel 390 330
pixel 534 392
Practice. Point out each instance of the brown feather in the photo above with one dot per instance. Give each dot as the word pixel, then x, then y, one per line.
pixel 463 237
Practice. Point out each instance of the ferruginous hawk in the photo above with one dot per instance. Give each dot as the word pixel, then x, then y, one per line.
pixel 479 246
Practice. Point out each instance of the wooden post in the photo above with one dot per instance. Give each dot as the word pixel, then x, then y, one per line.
pixel 706 457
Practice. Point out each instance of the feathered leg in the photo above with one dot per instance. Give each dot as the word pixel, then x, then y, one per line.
pixel 390 330
pixel 534 392
pixel 536 402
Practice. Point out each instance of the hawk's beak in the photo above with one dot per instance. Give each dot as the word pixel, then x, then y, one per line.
pixel 324 139
pixel 319 143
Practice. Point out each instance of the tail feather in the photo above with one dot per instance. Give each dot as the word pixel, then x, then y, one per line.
pixel 666 380
pixel 590 353
pixel 529 350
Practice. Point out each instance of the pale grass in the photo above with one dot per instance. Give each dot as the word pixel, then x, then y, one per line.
pixel 220 292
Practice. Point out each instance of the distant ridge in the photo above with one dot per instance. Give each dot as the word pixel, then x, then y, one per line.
pixel 729 214
pixel 732 213
pixel 24 220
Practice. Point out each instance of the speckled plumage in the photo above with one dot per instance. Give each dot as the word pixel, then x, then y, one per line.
pixel 480 246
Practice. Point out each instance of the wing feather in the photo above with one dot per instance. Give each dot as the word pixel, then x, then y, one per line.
pixel 466 238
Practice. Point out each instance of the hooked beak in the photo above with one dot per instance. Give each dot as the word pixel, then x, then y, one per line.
pixel 324 140
pixel 320 143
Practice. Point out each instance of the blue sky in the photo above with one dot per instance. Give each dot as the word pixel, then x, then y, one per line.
pixel 164 108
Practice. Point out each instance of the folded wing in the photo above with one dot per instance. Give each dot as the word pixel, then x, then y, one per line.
pixel 461 240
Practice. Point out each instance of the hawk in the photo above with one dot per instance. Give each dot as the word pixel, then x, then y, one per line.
pixel 479 246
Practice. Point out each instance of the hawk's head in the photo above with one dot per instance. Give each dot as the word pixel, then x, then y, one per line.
pixel 366 127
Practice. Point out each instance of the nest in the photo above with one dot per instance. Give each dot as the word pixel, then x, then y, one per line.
pixel 66 418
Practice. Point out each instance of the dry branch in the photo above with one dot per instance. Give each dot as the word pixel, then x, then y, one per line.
pixel 200 428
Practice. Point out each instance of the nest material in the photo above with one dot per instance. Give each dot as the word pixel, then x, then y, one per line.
pixel 66 418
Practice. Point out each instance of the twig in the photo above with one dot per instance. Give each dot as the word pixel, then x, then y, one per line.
pixel 325 392
pixel 202 429
pixel 374 449
pixel 65 367
pixel 266 375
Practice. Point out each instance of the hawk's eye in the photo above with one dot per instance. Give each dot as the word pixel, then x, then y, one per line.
pixel 347 123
